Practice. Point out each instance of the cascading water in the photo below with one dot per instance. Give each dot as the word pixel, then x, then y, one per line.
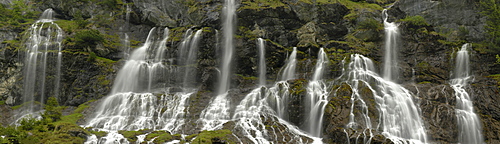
pixel 262 61
pixel 399 117
pixel 316 98
pixel 289 70
pixel 42 60
pixel 253 115
pixel 469 126
pixel 280 92
pixel 217 112
pixel 390 71
pixel 190 62
pixel 254 112
pixel 125 37
pixel 227 56
pixel 142 96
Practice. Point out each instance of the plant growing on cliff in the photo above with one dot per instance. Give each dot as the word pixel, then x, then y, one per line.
pixel 51 128
pixel 53 111
pixel 415 21
pixel 86 39
pixel 491 9
pixel 370 24
pixel 19 13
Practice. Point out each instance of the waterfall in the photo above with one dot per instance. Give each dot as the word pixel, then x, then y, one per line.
pixel 280 91
pixel 125 28
pixel 262 61
pixel 252 114
pixel 390 71
pixel 279 98
pixel 289 70
pixel 469 125
pixel 399 117
pixel 227 55
pixel 191 61
pixel 144 95
pixel 316 98
pixel 263 104
pixel 217 112
pixel 145 66
pixel 42 60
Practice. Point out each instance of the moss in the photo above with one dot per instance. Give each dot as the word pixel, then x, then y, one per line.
pixel 18 15
pixel 85 39
pixel 104 60
pixel 357 45
pixel 482 48
pixel 130 135
pixel 23 104
pixel 246 33
pixel 99 133
pixel 213 136
pixel 62 138
pixel 495 77
pixel 177 34
pixel 260 4
pixel 190 137
pixel 76 115
pixel 423 65
pixel 298 87
pixel 415 21
pixel 370 24
pixel 424 82
pixel 66 133
pixel 246 77
pixel 159 136
pixel 456 43
pixel 355 7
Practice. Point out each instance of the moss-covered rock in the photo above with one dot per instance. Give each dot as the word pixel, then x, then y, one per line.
pixel 217 136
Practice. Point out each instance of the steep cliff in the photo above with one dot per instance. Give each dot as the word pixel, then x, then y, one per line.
pixel 431 34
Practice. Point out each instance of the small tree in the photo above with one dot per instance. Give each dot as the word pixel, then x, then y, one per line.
pixel 53 111
pixel 491 9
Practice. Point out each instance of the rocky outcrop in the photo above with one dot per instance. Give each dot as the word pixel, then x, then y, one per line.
pixel 449 16
pixel 341 27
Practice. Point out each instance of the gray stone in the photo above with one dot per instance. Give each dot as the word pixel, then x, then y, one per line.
pixel 10 100
pixel 448 14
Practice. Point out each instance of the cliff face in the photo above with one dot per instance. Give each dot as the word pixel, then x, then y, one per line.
pixel 341 27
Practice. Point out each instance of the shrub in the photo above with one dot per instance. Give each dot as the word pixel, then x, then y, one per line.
pixel 370 24
pixel 52 110
pixel 491 9
pixel 88 38
pixel 415 21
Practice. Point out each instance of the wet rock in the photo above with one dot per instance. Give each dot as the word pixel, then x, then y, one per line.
pixel 307 35
pixel 449 14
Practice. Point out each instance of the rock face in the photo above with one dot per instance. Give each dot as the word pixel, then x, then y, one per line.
pixel 342 28
pixel 465 15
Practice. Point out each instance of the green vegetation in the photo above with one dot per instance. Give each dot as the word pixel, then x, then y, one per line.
pixel 52 110
pixel 51 128
pixel 130 135
pixel 298 87
pixel 491 9
pixel 87 38
pixel 212 136
pixel 160 137
pixel 415 21
pixel 18 15
pixel 246 77
pixel 495 77
pixel 357 7
pixel 370 24
pixel 259 4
